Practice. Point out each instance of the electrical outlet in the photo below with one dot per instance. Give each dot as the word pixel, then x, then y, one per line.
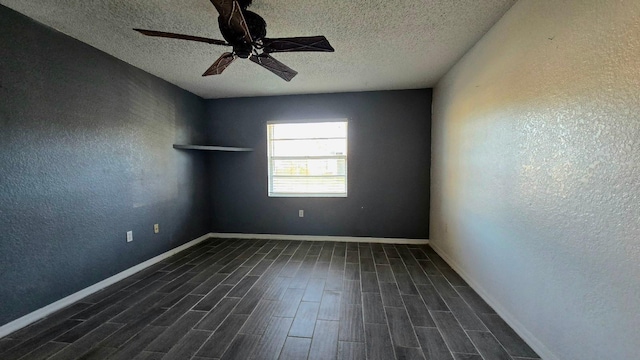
pixel 300 213
pixel 156 228
pixel 129 236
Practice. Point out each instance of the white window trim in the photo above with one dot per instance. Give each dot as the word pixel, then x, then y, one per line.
pixel 270 159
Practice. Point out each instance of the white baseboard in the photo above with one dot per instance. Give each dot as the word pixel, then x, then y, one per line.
pixel 527 336
pixel 357 239
pixel 34 316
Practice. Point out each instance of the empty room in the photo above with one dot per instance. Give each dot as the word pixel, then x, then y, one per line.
pixel 292 180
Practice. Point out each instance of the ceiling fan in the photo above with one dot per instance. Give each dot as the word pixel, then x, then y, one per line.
pixel 246 32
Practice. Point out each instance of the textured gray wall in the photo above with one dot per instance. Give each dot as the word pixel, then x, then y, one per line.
pixel 389 159
pixel 85 155
pixel 536 174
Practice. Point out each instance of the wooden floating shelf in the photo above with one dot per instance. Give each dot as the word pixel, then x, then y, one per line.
pixel 211 148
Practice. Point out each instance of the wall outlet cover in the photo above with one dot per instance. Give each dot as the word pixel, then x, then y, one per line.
pixel 129 236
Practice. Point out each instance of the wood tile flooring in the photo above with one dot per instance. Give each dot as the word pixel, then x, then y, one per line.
pixel 258 299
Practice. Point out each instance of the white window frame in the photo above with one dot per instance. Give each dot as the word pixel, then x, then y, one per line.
pixel 271 158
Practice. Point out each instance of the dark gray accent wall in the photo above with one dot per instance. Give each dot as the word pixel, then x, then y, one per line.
pixel 85 155
pixel 389 160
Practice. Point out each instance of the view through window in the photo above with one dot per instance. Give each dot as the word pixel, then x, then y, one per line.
pixel 307 159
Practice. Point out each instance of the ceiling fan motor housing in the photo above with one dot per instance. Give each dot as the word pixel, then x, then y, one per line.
pixel 257 28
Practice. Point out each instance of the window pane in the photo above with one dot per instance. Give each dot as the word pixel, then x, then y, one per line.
pixel 305 185
pixel 310 167
pixel 309 130
pixel 308 159
pixel 309 147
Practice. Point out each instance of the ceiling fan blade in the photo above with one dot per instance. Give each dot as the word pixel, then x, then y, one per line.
pixel 275 66
pixel 181 37
pixel 307 43
pixel 220 65
pixel 231 12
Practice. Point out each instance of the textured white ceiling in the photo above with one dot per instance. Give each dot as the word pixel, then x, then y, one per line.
pixel 380 44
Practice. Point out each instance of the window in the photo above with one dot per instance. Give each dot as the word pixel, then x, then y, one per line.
pixel 307 159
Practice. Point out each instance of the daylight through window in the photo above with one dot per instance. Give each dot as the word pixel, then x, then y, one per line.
pixel 307 159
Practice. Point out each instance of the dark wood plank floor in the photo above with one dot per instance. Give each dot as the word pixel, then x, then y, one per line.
pixel 258 299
